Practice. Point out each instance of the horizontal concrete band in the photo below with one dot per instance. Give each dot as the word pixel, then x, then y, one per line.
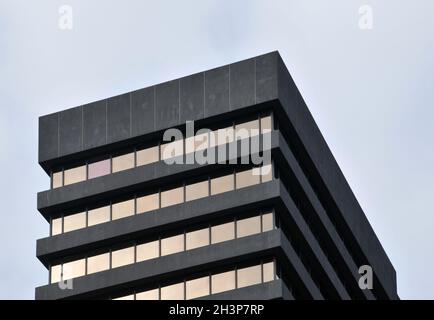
pixel 271 243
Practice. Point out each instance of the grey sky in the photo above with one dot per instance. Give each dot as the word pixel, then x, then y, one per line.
pixel 371 93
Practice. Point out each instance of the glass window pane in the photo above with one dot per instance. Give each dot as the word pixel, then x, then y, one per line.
pixel 249 276
pixel 173 292
pixel 147 156
pixel 57 179
pixel 74 269
pixel 197 288
pixel 74 222
pixel 148 295
pixel 196 239
pixel 249 226
pixel 149 250
pixel 197 142
pixel 172 149
pixel 268 269
pixel 123 162
pixel 56 273
pixel 223 136
pixel 196 190
pixel 222 282
pixel 98 215
pixel 75 175
pixel 267 222
pixel 99 168
pixel 223 232
pixel 122 257
pixel 129 297
pixel 148 203
pixel 56 226
pixel 222 184
pixel 266 124
pixel 267 173
pixel 246 178
pixel 172 244
pixel 172 197
pixel 98 263
pixel 247 129
pixel 122 209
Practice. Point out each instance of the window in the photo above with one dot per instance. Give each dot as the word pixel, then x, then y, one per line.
pixel 148 251
pixel 197 142
pixel 196 191
pixel 172 197
pixel 267 222
pixel 268 271
pixel 56 273
pixel 129 297
pixel 222 184
pixel 148 203
pixel 246 178
pixel 57 179
pixel 198 238
pixel 249 276
pixel 172 244
pixel 74 222
pixel 122 257
pixel 148 295
pixel 123 162
pixel 98 169
pixel 74 269
pixel 249 226
pixel 172 149
pixel 223 136
pixel 222 282
pixel 56 226
pixel 99 215
pixel 267 173
pixel 147 156
pixel 122 209
pixel 222 232
pixel 75 175
pixel 266 125
pixel 173 292
pixel 98 263
pixel 247 129
pixel 197 288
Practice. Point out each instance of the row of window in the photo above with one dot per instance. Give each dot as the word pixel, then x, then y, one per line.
pixel 161 199
pixel 186 240
pixel 155 153
pixel 210 284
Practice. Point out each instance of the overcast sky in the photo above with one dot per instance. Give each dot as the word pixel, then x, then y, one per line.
pixel 370 92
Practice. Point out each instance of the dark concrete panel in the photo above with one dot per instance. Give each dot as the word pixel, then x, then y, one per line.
pixel 118 118
pixel 192 97
pixel 71 131
pixel 95 124
pixel 143 111
pixel 167 104
pixel 217 91
pixel 266 77
pixel 242 84
pixel 48 137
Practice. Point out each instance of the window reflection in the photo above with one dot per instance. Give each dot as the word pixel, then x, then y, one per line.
pixel 75 175
pixel 98 263
pixel 56 273
pixel 172 149
pixel 123 162
pixel 247 129
pixel 222 282
pixel 99 168
pixel 74 269
pixel 246 178
pixel 173 292
pixel 196 239
pixel 249 276
pixel 148 295
pixel 196 190
pixel 266 125
pixel 122 209
pixel 56 226
pixel 249 226
pixel 147 156
pixel 268 271
pixel 223 232
pixel 74 222
pixel 267 173
pixel 99 215
pixel 222 184
pixel 267 222
pixel 172 244
pixel 122 257
pixel 197 288
pixel 129 297
pixel 172 197
pixel 148 203
pixel 57 179
pixel 149 250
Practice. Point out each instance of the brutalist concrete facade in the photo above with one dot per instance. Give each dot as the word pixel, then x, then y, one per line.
pixel 323 238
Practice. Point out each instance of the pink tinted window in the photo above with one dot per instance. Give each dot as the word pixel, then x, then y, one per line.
pixel 99 168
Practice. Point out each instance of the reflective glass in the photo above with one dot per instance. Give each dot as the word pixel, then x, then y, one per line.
pixel 172 197
pixel 197 288
pixel 74 269
pixel 222 282
pixel 196 190
pixel 129 297
pixel 98 215
pixel 98 263
pixel 56 226
pixel 197 142
pixel 148 203
pixel 249 226
pixel 222 184
pixel 172 244
pixel 147 156
pixel 148 295
pixel 267 222
pixel 172 149
pixel 223 232
pixel 149 250
pixel 268 270
pixel 56 272
pixel 196 239
pixel 122 209
pixel 74 222
pixel 57 179
pixel 99 168
pixel 267 173
pixel 246 178
pixel 247 129
pixel 123 162
pixel 75 175
pixel 173 292
pixel 122 257
pixel 249 276
pixel 223 136
pixel 266 124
